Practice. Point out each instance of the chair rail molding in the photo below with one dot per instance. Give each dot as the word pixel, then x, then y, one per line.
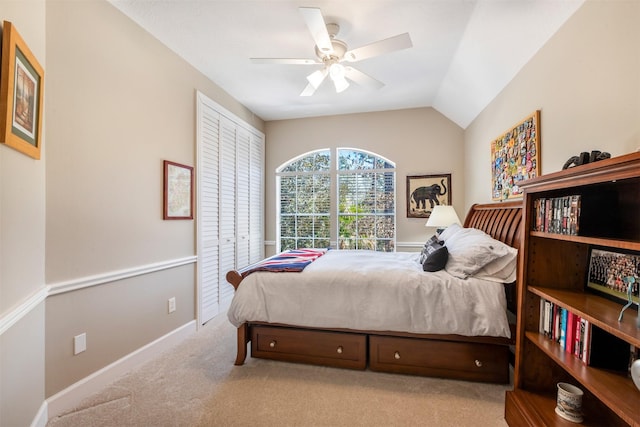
pixel 21 310
pixel 113 276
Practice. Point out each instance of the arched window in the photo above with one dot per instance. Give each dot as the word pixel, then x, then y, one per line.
pixel 363 201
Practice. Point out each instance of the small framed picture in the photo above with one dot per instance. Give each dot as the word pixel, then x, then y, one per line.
pixel 611 273
pixel 426 191
pixel 21 93
pixel 178 191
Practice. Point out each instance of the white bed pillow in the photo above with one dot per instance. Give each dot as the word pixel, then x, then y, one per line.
pixel 501 270
pixel 471 249
pixel 449 231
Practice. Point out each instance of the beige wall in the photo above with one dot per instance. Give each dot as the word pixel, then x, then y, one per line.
pixel 117 103
pixel 22 252
pixel 585 81
pixel 420 141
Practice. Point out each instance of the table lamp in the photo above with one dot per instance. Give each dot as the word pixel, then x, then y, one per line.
pixel 441 217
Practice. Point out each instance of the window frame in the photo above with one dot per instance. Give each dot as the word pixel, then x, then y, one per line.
pixel 334 172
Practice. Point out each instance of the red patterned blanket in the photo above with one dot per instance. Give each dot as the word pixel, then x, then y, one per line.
pixel 294 260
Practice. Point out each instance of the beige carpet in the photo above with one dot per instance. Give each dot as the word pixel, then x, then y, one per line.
pixel 196 384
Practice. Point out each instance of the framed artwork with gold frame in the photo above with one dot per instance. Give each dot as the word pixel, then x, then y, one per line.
pixel 21 95
pixel 515 157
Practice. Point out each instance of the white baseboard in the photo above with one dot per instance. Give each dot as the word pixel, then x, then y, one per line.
pixel 70 397
pixel 41 418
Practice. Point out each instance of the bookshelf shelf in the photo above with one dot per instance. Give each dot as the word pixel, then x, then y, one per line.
pixel 554 268
pixel 596 241
pixel 539 408
pixel 604 385
pixel 597 310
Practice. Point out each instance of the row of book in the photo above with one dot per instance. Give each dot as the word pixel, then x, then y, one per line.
pixel 559 215
pixel 569 330
pixel 589 343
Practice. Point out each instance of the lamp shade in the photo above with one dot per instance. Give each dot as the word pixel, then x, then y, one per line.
pixel 337 74
pixel 442 216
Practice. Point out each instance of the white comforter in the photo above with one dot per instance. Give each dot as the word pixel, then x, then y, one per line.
pixel 376 291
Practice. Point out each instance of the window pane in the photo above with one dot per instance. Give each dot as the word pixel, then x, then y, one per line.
pixel 287 244
pixel 354 160
pixel 347 225
pixel 288 194
pixel 322 227
pixel 366 226
pixel 305 243
pixel 385 227
pixel 322 243
pixel 305 226
pixel 385 245
pixel 287 226
pixel 385 193
pixel 322 195
pixel 323 161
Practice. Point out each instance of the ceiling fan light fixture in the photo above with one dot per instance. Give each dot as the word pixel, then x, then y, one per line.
pixel 337 74
pixel 341 84
pixel 336 71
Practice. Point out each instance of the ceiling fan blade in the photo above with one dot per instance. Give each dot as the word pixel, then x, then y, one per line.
pixel 315 22
pixel 317 77
pixel 362 79
pixel 293 61
pixel 315 80
pixel 308 91
pixel 399 42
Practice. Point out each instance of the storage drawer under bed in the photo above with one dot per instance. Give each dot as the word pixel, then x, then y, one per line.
pixel 343 350
pixel 448 359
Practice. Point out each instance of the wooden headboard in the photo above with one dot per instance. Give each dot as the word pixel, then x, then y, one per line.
pixel 502 221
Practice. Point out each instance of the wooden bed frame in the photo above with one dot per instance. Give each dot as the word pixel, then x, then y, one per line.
pixel 483 359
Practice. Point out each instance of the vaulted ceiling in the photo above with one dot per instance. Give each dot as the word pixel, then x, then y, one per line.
pixel 464 51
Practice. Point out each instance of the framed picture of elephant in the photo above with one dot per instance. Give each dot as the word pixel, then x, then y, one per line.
pixel 426 191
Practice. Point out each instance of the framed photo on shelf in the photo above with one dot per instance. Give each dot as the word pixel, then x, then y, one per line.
pixel 612 272
pixel 515 157
pixel 21 95
pixel 178 191
pixel 426 191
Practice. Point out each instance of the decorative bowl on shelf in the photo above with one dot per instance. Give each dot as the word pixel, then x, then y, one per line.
pixel 635 373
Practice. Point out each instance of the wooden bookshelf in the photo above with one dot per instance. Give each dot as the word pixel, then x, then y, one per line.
pixel 554 267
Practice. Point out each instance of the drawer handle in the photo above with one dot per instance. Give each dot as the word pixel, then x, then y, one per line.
pixel 396 355
pixel 478 363
pixel 272 344
pixel 339 349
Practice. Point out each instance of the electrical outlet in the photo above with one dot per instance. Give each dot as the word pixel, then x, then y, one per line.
pixel 79 343
pixel 172 304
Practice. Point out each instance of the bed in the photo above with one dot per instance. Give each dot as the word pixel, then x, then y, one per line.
pixel 445 325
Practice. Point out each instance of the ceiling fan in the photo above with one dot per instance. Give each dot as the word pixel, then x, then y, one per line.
pixel 331 53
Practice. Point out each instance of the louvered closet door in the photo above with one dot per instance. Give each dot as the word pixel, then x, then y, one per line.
pixel 227 206
pixel 208 212
pixel 243 145
pixel 230 202
pixel 256 202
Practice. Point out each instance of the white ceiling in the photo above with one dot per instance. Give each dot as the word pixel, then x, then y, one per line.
pixel 464 51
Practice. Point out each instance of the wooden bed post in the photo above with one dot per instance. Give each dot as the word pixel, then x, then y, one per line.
pixel 243 339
